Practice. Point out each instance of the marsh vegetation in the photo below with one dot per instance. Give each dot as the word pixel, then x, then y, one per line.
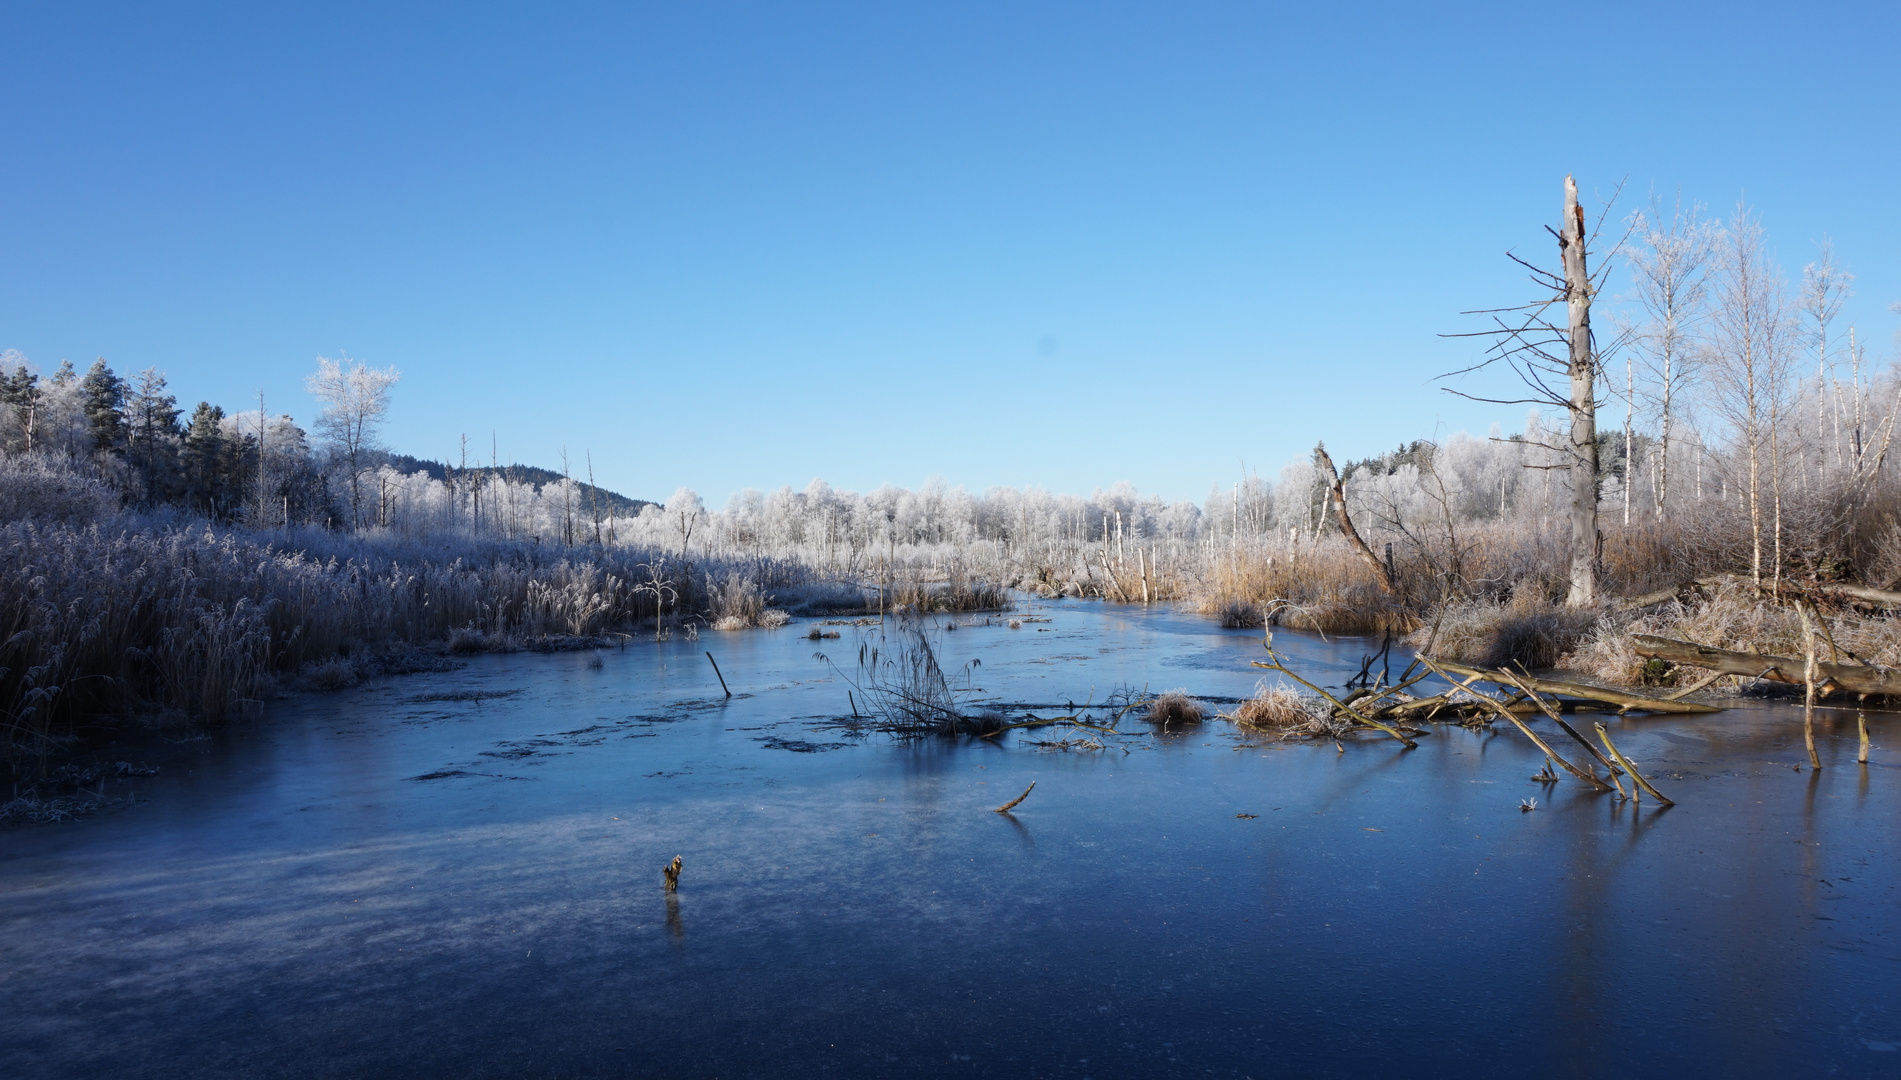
pixel 186 567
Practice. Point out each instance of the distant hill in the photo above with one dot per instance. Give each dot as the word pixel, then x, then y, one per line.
pixel 612 503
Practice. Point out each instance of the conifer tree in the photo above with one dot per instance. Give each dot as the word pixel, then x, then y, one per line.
pixel 103 396
pixel 20 391
pixel 151 429
pixel 209 460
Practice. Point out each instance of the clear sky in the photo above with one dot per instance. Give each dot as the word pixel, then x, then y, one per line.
pixel 1020 243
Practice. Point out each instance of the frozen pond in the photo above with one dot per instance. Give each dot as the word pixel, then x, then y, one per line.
pixel 293 900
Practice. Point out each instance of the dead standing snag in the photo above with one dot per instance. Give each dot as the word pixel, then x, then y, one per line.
pixel 1336 494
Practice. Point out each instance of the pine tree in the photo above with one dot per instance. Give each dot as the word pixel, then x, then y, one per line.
pixel 103 396
pixel 21 393
pixel 209 461
pixel 151 423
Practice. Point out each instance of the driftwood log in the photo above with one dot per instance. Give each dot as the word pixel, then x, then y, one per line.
pixel 1590 693
pixel 1856 678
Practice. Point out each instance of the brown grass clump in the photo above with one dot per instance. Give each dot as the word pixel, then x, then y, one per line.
pixel 1239 614
pixel 1282 709
pixel 1175 709
pixel 1606 654
pixel 1528 630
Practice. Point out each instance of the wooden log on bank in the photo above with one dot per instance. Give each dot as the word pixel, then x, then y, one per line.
pixel 1856 678
pixel 1582 690
pixel 1837 591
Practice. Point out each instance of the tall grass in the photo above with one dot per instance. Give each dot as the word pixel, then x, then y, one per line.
pixel 194 623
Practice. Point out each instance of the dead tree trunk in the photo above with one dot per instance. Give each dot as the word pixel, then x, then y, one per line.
pixel 1854 678
pixel 1337 492
pixel 1583 372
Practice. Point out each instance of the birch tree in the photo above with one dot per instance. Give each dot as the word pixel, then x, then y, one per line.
pixel 1825 287
pixel 1749 358
pixel 1668 269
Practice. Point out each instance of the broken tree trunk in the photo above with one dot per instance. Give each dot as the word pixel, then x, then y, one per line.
pixel 1582 368
pixel 1337 494
pixel 1855 678
pixel 1837 591
pixel 1583 690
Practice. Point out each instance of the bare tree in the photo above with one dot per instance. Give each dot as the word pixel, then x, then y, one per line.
pixel 1667 266
pixel 355 403
pixel 1559 364
pixel 1825 287
pixel 1750 358
pixel 685 509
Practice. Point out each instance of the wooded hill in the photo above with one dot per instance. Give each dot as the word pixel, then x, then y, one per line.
pixel 612 503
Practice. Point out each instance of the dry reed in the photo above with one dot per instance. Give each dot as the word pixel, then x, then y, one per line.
pixel 1175 709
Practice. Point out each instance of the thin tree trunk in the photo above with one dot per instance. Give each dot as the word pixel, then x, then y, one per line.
pixel 1630 415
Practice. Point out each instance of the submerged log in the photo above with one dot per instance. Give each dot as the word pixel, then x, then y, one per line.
pixel 1619 698
pixel 1858 678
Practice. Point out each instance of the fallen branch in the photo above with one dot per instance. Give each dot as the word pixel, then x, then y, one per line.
pixel 1619 698
pixel 1533 736
pixel 1558 719
pixel 1860 679
pixel 1628 767
pixel 1678 695
pixel 1337 703
pixel 1839 591
pixel 1011 805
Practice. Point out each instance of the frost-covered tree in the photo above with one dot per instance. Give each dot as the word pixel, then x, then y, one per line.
pixel 1750 356
pixel 355 404
pixel 1667 267
pixel 19 402
pixel 151 436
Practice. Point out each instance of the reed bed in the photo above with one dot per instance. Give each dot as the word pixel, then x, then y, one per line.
pixel 200 624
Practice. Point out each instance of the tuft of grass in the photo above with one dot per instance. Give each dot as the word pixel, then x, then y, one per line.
pixel 900 679
pixel 467 639
pixel 1175 709
pixel 331 675
pixel 1239 614
pixel 1288 712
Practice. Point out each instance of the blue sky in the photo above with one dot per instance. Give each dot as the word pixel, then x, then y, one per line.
pixel 1031 244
